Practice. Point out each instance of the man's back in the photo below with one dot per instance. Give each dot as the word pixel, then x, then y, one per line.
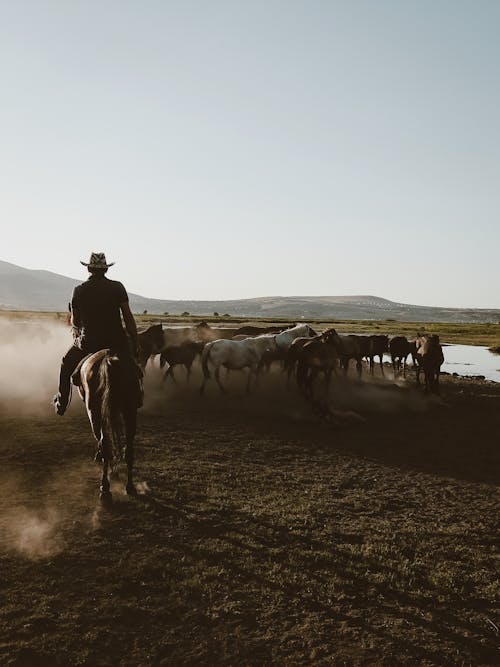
pixel 97 303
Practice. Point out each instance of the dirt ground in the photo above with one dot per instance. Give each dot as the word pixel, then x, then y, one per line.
pixel 261 536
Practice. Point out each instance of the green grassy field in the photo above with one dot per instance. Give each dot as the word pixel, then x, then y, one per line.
pixel 465 334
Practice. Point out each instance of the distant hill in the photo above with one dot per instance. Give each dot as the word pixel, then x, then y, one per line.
pixel 27 289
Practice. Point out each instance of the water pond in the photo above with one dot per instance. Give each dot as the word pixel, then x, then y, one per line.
pixel 471 360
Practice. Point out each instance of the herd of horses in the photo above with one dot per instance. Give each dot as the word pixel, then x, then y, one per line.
pixel 303 353
pixel 112 387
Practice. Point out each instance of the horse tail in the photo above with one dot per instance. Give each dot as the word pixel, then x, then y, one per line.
pixel 111 386
pixel 204 361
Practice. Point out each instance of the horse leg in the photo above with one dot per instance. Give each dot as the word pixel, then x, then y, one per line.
pixel 313 374
pixel 436 382
pixel 359 367
pixel 251 371
pixel 217 377
pixel 188 371
pixel 130 431
pixel 94 414
pixel 328 379
pixel 381 357
pixel 256 373
pixel 105 445
pixel 300 377
pixel 427 381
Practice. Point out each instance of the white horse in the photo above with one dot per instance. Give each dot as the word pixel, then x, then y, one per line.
pixel 235 355
pixel 283 342
pixel 284 339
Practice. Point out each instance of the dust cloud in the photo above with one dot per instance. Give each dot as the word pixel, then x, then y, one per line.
pixel 30 357
pixel 40 513
pixel 33 535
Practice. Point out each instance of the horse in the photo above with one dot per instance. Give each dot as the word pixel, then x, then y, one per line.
pixel 180 355
pixel 150 343
pixel 293 355
pixel 400 347
pixel 294 352
pixel 157 338
pixel 234 355
pixel 429 359
pixel 350 347
pixel 316 355
pixel 111 387
pixel 378 345
pixel 283 341
pixel 284 338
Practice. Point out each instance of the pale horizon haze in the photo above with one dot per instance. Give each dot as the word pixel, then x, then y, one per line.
pixel 228 149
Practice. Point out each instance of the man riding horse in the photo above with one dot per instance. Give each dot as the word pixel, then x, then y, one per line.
pixel 96 309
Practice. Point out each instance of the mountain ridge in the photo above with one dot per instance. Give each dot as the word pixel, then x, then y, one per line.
pixel 39 289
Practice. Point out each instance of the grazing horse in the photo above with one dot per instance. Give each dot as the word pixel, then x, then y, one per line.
pixel 180 355
pixel 429 359
pixel 150 343
pixel 234 355
pixel 112 390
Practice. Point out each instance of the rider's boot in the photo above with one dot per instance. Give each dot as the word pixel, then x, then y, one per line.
pixel 68 365
pixel 61 401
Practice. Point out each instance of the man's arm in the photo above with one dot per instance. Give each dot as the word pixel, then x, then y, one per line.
pixel 130 326
pixel 75 320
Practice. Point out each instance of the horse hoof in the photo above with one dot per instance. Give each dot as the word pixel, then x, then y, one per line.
pixel 131 490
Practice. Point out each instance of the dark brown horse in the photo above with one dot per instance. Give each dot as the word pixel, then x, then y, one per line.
pixel 180 355
pixel 350 347
pixel 400 347
pixel 150 343
pixel 318 355
pixel 429 359
pixel 378 346
pixel 112 390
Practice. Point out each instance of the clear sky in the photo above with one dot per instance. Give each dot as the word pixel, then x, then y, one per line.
pixel 225 149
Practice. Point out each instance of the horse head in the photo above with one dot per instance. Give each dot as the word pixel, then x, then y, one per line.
pixel 157 335
pixel 329 335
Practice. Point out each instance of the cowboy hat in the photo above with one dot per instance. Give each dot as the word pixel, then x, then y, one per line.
pixel 97 261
